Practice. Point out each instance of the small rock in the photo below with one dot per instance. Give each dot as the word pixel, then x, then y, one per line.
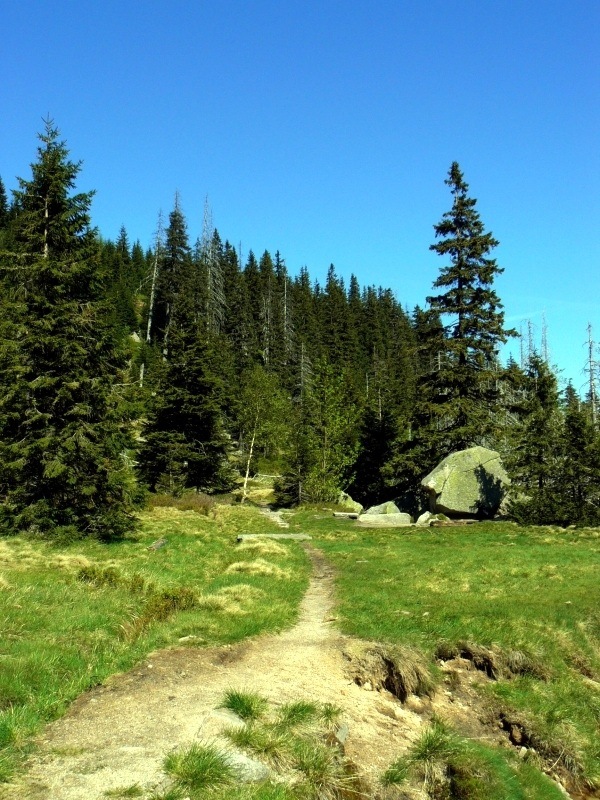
pixel 523 752
pixel 516 734
pixel 414 704
pixel 424 518
pixel 342 734
pixel 384 520
pixel 248 769
pixel 367 686
pixel 157 544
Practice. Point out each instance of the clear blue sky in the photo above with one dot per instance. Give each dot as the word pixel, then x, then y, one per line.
pixel 325 130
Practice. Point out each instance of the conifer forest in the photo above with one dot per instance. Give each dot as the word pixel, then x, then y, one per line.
pixel 183 367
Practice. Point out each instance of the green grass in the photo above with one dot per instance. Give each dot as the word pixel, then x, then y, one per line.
pixel 526 596
pixel 249 706
pixel 199 768
pixel 73 615
pixel 523 601
pixel 449 766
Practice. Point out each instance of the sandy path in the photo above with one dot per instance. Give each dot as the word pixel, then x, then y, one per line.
pixel 117 735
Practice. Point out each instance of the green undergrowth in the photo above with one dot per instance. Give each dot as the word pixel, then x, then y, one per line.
pixel 522 603
pixel 72 615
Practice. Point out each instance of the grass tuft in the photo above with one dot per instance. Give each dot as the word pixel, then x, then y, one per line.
pixel 400 670
pixel 249 706
pixel 198 768
pixel 454 768
pixel 265 741
pixel 397 773
pixel 299 714
pixel 257 567
pixel 323 774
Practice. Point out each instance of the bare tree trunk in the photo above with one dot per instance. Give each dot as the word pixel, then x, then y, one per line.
pixel 157 250
pixel 591 368
pixel 250 453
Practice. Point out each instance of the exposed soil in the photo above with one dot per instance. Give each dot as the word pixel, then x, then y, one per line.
pixel 117 735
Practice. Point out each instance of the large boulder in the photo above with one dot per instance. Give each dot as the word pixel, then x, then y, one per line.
pixel 469 483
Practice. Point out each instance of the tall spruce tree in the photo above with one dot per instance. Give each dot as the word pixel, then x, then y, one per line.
pixel 62 438
pixel 458 339
pixel 462 387
pixel 174 273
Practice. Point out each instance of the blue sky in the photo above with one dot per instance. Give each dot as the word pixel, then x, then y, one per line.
pixel 325 130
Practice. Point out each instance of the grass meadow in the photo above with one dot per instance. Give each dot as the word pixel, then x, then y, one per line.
pixel 521 603
pixel 524 603
pixel 71 615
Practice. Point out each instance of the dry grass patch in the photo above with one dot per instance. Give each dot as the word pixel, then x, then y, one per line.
pixel 242 592
pixel 257 567
pixel 70 562
pixel 263 547
pixel 230 599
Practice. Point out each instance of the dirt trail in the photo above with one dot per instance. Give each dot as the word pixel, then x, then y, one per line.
pixel 117 735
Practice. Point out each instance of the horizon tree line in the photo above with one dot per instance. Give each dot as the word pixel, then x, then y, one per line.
pixel 180 368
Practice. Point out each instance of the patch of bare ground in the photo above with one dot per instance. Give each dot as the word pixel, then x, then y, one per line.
pixel 118 734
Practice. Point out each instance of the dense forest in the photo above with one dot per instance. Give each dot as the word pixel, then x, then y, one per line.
pixel 180 368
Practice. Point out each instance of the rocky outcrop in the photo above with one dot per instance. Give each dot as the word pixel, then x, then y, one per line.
pixel 384 508
pixel 469 483
pixel 386 515
pixel 348 503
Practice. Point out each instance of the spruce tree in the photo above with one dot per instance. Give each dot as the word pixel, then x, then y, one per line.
pixel 580 473
pixel 535 455
pixel 462 388
pixel 185 444
pixel 174 273
pixel 4 211
pixel 63 441
pixel 458 338
pixel 238 323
